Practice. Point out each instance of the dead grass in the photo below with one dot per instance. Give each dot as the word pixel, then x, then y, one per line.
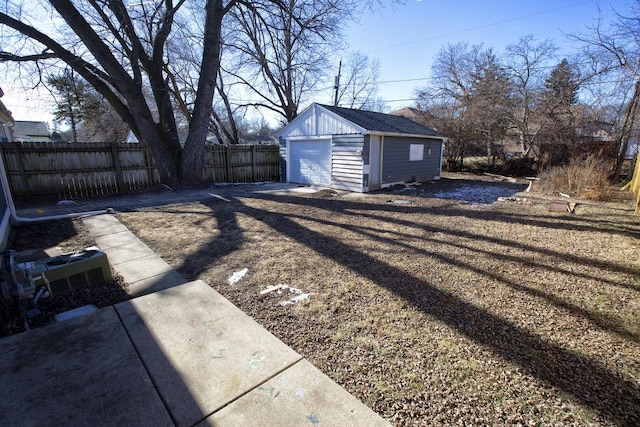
pixel 434 312
pixel 585 178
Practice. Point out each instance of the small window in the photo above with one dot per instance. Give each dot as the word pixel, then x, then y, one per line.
pixel 416 152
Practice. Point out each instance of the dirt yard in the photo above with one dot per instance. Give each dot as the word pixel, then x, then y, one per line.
pixel 433 311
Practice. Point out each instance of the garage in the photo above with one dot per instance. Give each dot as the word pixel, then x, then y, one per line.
pixel 310 162
pixel 357 150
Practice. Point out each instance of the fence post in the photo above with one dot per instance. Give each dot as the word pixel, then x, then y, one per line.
pixel 254 178
pixel 116 165
pixel 23 175
pixel 227 149
pixel 634 184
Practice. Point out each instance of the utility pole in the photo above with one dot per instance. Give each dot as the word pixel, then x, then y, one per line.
pixel 336 86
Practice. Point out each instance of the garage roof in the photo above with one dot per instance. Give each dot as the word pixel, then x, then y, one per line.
pixel 321 120
pixel 383 123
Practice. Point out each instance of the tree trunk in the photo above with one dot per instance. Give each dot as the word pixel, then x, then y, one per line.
pixel 625 131
pixel 191 162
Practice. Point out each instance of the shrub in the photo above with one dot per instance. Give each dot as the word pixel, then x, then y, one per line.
pixel 586 178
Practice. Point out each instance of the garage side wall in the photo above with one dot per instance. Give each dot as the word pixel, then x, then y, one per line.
pixel 283 159
pixel 347 162
pixel 410 159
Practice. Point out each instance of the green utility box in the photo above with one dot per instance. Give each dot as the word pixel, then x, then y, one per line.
pixel 86 267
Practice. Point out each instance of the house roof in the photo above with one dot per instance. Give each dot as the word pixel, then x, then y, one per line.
pixel 31 130
pixel 381 122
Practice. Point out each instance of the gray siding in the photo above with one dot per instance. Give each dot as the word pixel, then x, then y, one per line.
pixel 396 166
pixel 346 162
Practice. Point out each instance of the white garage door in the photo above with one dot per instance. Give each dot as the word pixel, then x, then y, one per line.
pixel 310 162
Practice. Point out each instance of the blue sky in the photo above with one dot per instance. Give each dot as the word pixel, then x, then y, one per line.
pixel 406 38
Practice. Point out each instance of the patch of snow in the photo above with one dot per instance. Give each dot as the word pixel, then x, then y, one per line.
pixel 295 300
pixel 217 196
pixel 405 189
pixel 311 189
pixel 482 193
pixel 235 277
pixel 279 289
pixel 289 290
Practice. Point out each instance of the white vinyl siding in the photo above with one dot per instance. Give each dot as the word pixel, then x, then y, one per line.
pixel 346 168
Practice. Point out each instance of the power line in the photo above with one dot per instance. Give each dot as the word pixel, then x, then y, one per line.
pixel 405 80
pixel 504 21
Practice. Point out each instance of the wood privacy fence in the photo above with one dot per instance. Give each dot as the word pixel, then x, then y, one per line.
pixel 39 170
pixel 635 184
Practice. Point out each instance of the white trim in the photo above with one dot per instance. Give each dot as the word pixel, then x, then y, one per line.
pixel 404 135
pixel 308 138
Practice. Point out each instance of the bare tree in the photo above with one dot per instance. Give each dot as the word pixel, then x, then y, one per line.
pixel 616 46
pixel 359 83
pixel 526 62
pixel 281 50
pixel 449 117
pixel 119 48
pixel 473 92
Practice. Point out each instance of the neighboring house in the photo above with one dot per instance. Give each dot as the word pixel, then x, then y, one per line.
pixel 6 123
pixel 632 149
pixel 27 131
pixel 596 131
pixel 357 150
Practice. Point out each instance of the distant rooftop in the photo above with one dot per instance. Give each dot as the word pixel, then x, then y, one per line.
pixel 30 131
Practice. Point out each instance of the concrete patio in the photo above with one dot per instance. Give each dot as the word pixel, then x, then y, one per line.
pixel 177 354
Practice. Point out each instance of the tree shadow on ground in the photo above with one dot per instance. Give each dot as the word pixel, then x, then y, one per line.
pixel 605 391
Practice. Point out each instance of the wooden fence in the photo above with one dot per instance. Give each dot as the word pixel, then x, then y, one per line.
pixel 46 170
pixel 634 185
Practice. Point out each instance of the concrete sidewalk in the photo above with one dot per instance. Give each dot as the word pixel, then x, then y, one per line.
pixel 178 354
pixel 158 197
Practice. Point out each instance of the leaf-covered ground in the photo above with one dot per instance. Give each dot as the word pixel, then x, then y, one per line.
pixel 59 236
pixel 428 303
pixel 433 311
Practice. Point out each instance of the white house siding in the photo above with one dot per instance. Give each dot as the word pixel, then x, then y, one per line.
pixel 347 162
pixel 316 121
pixel 396 167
